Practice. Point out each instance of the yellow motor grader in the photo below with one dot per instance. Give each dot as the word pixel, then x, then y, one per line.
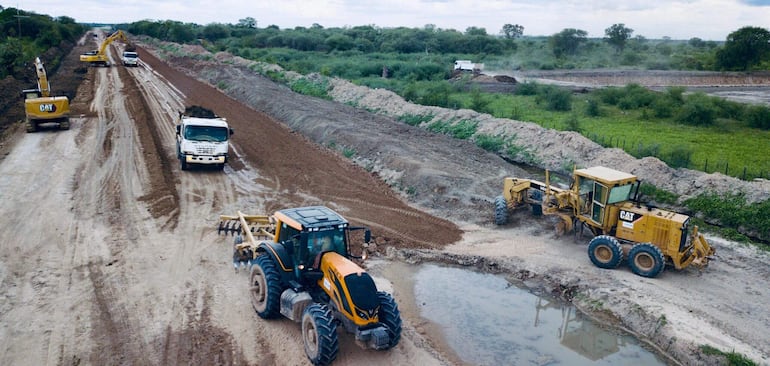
pixel 301 268
pixel 606 201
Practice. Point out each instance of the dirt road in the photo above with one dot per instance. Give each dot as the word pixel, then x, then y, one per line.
pixel 109 253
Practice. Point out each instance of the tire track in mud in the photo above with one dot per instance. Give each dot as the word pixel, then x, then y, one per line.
pixel 162 198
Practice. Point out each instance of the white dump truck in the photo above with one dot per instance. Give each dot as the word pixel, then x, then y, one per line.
pixel 468 65
pixel 130 58
pixel 202 138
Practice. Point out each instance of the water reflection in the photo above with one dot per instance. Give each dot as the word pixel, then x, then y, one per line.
pixel 489 321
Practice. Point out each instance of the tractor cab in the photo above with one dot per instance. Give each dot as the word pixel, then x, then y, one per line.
pixel 309 232
pixel 599 191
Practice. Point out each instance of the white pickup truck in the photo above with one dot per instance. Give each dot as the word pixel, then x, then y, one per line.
pixel 130 58
pixel 202 138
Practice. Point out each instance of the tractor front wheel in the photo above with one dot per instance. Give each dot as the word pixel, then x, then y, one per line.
pixel 605 252
pixel 646 260
pixel 390 317
pixel 265 290
pixel 319 333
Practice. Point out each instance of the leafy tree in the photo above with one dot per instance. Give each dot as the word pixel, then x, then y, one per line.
pixel 744 48
pixel 247 22
pixel 476 31
pixel 512 31
pixel 617 35
pixel 215 31
pixel 568 41
pixel 340 42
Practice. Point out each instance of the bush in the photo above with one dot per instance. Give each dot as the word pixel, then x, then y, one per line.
pixel 527 88
pixel 555 98
pixel 679 157
pixel 489 142
pixel 697 111
pixel 415 119
pixel 592 109
pixel 459 130
pixel 758 117
pixel 315 88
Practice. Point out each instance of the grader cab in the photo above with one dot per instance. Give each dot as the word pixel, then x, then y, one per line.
pixel 606 201
pixel 302 269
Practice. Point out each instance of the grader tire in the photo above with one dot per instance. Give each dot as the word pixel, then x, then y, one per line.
pixel 265 289
pixel 390 317
pixel 501 210
pixel 605 252
pixel 646 260
pixel 319 334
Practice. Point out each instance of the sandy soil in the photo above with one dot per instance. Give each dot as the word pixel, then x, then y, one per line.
pixel 110 254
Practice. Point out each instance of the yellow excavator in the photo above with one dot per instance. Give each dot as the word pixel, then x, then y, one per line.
pixel 40 107
pixel 99 57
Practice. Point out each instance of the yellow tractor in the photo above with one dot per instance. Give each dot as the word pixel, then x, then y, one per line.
pixel 40 107
pixel 99 57
pixel 606 201
pixel 302 269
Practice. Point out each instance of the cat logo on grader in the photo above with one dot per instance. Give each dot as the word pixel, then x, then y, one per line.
pixel 599 199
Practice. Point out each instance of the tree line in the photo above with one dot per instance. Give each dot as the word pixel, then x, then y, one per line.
pixel 746 49
pixel 25 35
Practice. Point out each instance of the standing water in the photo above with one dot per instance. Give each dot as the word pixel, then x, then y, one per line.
pixel 489 321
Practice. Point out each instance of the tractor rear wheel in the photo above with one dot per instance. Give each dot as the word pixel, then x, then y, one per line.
pixel 646 260
pixel 605 252
pixel 319 333
pixel 265 290
pixel 501 210
pixel 390 317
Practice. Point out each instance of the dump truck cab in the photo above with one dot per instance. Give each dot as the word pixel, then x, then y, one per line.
pixel 202 138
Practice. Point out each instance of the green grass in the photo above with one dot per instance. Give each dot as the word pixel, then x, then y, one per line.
pixel 732 358
pixel 726 147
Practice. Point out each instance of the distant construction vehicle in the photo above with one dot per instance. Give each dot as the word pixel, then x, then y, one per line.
pixel 303 271
pixel 606 201
pixel 99 57
pixel 130 58
pixel 202 138
pixel 468 65
pixel 40 107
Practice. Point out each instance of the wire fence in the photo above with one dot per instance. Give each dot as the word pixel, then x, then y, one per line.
pixel 681 158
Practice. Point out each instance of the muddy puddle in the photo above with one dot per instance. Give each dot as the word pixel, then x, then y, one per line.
pixel 486 320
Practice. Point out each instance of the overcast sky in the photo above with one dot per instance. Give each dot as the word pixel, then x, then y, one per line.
pixel 678 19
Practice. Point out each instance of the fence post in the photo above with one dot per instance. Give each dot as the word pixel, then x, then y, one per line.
pixel 727 165
pixel 744 173
pixel 706 167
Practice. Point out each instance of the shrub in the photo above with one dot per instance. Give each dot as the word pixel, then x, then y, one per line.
pixel 415 119
pixel 315 88
pixel 489 142
pixel 758 117
pixel 527 88
pixel 679 157
pixel 697 111
pixel 592 109
pixel 555 98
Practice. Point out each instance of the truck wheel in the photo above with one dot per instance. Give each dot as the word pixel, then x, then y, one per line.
pixel 646 260
pixel 31 126
pixel 65 125
pixel 319 333
pixel 501 210
pixel 605 252
pixel 265 289
pixel 183 164
pixel 390 317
